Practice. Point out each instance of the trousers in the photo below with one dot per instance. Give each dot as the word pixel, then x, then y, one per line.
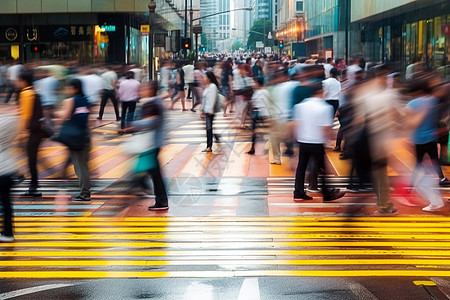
pixel 5 188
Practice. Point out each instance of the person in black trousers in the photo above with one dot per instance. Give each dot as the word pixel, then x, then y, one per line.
pixel 8 126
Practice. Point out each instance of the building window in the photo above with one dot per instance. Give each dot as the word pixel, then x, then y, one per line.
pixel 299 6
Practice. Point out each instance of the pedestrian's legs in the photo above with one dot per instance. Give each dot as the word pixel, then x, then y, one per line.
pixel 381 184
pixel 190 89
pixel 80 164
pixel 12 90
pixel 132 108
pixel 433 153
pixel 124 114
pixel 303 159
pixel 32 150
pixel 112 96
pixel 103 104
pixel 5 188
pixel 159 186
pixel 209 130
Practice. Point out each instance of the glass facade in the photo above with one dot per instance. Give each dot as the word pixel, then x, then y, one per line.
pixel 417 35
pixel 321 17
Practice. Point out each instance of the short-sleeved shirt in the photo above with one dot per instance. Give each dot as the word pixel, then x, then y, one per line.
pixel 312 115
pixel 426 132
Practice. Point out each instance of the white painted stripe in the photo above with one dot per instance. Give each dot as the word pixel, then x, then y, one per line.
pixel 361 292
pixel 197 290
pixel 33 290
pixel 249 290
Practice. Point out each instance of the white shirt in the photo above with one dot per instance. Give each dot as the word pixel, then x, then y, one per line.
pixel 47 88
pixel 138 74
pixel 110 78
pixel 331 89
pixel 327 68
pixel 283 94
pixel 129 90
pixel 351 72
pixel 14 71
pixel 188 74
pixel 92 87
pixel 261 101
pixel 312 114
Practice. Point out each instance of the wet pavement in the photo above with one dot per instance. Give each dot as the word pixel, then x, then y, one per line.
pixel 232 231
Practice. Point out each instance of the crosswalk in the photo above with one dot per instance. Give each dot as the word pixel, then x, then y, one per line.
pixel 219 247
pixel 182 155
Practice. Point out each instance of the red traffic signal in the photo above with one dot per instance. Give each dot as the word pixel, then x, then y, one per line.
pixel 186 43
pixel 35 48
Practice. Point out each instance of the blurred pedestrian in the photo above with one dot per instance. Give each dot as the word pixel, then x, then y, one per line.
pixel 12 74
pixel 260 104
pixel 8 127
pixel 75 134
pixel 179 87
pixel 47 87
pixel 313 123
pixel 227 85
pixel 332 89
pixel 110 79
pixel 30 111
pixel 210 98
pixel 129 96
pixel 153 118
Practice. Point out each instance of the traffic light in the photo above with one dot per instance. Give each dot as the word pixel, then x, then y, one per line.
pixel 281 43
pixel 186 43
pixel 35 48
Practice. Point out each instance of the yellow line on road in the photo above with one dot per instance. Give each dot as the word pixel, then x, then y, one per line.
pixel 198 253
pixel 252 262
pixel 225 244
pixel 228 229
pixel 227 236
pixel 237 223
pixel 236 218
pixel 222 274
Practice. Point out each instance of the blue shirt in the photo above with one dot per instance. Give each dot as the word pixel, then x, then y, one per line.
pixel 426 132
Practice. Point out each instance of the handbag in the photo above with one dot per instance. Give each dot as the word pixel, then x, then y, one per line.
pixel 146 161
pixel 139 143
pixel 73 136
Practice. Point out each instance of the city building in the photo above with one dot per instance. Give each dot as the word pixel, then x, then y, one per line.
pixel 290 26
pixel 216 28
pixel 402 31
pixel 86 31
pixel 240 20
pixel 262 9
pixel 325 28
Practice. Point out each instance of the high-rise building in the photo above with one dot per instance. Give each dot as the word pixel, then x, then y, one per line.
pixel 290 26
pixel 262 9
pixel 240 20
pixel 217 28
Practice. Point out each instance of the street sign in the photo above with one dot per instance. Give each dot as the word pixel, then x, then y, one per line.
pixel 197 29
pixel 145 29
pixel 259 45
pixel 267 50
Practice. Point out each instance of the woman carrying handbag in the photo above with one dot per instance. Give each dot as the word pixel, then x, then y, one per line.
pixel 75 135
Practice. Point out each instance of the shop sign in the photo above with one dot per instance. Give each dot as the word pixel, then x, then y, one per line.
pixel 108 28
pixel 145 29
pixel 445 29
pixel 63 33
pixel 9 34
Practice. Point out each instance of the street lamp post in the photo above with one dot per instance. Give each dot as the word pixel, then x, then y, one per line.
pixel 151 15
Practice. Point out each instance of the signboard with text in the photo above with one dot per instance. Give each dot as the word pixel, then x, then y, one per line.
pixel 51 33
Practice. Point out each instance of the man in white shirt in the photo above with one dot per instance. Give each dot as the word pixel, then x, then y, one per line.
pixel 189 79
pixel 47 87
pixel 332 89
pixel 352 70
pixel 12 74
pixel 93 86
pixel 327 67
pixel 109 92
pixel 313 121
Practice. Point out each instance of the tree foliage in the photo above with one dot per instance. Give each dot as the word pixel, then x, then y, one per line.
pixel 257 31
pixel 236 46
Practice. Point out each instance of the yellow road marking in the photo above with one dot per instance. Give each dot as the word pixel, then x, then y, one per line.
pixel 283 170
pixel 230 219
pixel 426 283
pixel 169 152
pixel 335 252
pixel 342 167
pixel 231 245
pixel 227 236
pixel 222 274
pixel 197 163
pixel 238 161
pixel 237 223
pixel 252 262
pixel 230 229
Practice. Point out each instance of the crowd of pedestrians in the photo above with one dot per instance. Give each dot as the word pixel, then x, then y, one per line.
pixel 300 101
